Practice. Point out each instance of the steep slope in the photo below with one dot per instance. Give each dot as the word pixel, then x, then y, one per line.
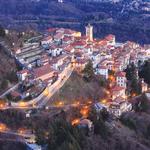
pixel 7 70
pixel 76 88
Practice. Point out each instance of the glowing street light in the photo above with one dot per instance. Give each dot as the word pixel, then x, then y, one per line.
pixel 22 104
pixel 89 102
pixel 84 112
pixel 107 92
pixel 104 101
pixel 21 131
pixel 86 107
pixel 1 105
pixel 134 94
pixel 60 104
pixel 46 92
pixel 76 104
pixel 2 127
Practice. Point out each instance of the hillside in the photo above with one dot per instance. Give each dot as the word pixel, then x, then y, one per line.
pixel 76 88
pixel 128 20
pixel 7 70
pixel 7 142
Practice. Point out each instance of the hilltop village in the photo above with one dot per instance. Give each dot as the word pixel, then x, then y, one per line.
pixel 47 62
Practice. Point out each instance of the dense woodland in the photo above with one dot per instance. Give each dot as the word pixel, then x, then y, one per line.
pixel 127 22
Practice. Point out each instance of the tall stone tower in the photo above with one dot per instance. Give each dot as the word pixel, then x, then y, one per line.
pixel 89 32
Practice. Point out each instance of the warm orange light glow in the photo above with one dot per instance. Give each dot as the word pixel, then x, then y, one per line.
pixel 104 101
pixel 75 122
pixel 1 105
pixel 33 105
pixel 2 127
pixel 89 102
pixel 46 92
pixel 76 104
pixel 84 112
pixel 134 94
pixel 111 78
pixel 22 104
pixel 21 131
pixel 107 92
pixel 86 107
pixel 125 97
pixel 60 104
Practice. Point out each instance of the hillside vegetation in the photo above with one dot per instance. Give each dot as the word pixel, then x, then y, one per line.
pixel 7 70
pixel 76 88
pixel 128 20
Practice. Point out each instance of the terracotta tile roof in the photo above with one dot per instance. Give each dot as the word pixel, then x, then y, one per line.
pixel 117 89
pixel 23 71
pixel 68 48
pixel 69 32
pixel 78 43
pixel 102 67
pixel 51 29
pixel 120 74
pixel 110 37
pixel 59 36
pixel 47 38
pixel 43 70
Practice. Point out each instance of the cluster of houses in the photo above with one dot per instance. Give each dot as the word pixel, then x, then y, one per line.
pixel 60 47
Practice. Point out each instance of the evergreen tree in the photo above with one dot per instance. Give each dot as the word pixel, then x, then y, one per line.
pixel 63 136
pixel 145 72
pixel 88 72
pixel 2 32
pixel 101 129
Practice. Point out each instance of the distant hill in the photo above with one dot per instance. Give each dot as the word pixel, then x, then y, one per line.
pixel 127 19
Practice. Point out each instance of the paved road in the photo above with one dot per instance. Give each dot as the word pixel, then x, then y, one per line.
pixel 23 135
pixel 56 87
pixel 43 99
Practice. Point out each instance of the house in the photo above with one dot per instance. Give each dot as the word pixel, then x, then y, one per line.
pixel 45 59
pixel 88 49
pixel 71 33
pixel 99 107
pixel 144 86
pixel 58 37
pixel 79 44
pixel 110 65
pixel 69 49
pixel 55 50
pixel 16 50
pixel 117 91
pixel 46 41
pixel 77 34
pixel 67 40
pixel 44 72
pixel 119 105
pixel 80 64
pixel 102 70
pixel 96 58
pixel 22 74
pixel 85 123
pixel 121 79
pixel 58 61
pixel 111 40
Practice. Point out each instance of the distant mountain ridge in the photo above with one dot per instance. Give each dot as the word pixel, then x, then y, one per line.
pixel 127 19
